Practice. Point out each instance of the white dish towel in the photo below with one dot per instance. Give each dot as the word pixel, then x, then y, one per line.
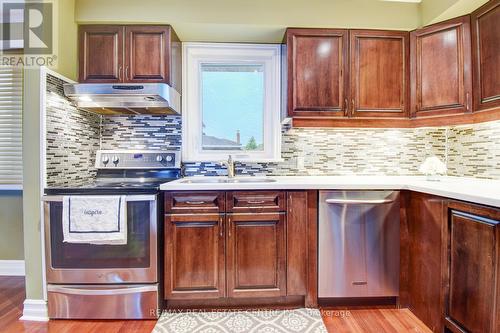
pixel 95 220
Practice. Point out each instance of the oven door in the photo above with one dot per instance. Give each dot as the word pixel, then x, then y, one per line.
pixel 134 262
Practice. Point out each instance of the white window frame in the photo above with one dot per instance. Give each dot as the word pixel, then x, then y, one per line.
pixel 195 54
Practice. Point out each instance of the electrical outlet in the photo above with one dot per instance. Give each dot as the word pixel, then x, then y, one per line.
pixel 300 162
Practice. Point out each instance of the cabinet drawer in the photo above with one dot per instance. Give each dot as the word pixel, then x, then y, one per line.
pixel 255 201
pixel 194 202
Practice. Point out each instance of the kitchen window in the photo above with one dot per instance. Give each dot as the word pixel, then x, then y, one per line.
pixel 231 102
pixel 11 109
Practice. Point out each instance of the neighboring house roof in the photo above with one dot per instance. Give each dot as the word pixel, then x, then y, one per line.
pixel 212 142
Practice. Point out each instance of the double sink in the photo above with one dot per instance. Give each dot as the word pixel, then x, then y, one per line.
pixel 227 180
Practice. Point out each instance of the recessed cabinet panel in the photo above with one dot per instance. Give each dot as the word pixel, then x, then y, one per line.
pixel 255 201
pixel 379 73
pixel 256 252
pixel 194 202
pixel 194 261
pixel 317 72
pixel 441 68
pixel 101 53
pixel 486 55
pixel 473 251
pixel 147 58
pixel 426 232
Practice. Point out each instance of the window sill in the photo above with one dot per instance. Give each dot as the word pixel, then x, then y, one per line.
pixel 11 187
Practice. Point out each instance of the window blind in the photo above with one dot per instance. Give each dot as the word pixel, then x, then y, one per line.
pixel 11 111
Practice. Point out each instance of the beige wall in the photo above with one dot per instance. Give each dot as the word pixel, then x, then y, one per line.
pixel 250 21
pixel 67 38
pixel 433 11
pixel 11 225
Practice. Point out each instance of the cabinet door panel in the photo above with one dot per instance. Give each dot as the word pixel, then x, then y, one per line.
pixel 256 255
pixel 296 238
pixel 147 56
pixel 441 68
pixel 426 236
pixel 472 271
pixel 194 257
pixel 317 72
pixel 101 53
pixel 379 73
pixel 486 55
pixel 255 201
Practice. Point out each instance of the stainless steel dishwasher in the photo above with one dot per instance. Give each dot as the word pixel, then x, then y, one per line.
pixel 358 244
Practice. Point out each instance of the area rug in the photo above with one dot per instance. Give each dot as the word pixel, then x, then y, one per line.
pixel 262 321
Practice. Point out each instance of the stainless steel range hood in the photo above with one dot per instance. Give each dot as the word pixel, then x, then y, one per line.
pixel 125 98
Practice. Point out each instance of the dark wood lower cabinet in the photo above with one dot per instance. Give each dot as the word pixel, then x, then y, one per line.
pixel 425 246
pixel 195 260
pixel 450 264
pixel 256 253
pixel 257 247
pixel 473 288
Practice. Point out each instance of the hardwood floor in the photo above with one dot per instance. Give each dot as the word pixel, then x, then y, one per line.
pixel 336 320
pixel 372 320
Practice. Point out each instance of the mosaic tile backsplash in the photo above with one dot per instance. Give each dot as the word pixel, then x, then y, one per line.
pixel 474 150
pixel 72 138
pixel 74 135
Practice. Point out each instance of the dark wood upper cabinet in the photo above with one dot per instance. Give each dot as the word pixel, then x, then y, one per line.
pixel 101 53
pixel 130 54
pixel 317 72
pixel 256 255
pixel 379 73
pixel 486 55
pixel 474 241
pixel 147 56
pixel 194 260
pixel 441 78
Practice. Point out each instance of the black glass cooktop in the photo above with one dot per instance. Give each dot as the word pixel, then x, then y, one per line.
pixel 119 182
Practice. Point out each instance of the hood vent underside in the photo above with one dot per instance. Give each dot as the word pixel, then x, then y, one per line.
pixel 127 98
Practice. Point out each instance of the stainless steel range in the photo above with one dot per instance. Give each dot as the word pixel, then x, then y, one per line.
pixel 88 281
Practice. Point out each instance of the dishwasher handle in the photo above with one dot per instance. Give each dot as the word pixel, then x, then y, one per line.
pixel 359 201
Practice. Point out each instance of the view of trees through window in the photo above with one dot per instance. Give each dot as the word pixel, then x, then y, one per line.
pixel 232 107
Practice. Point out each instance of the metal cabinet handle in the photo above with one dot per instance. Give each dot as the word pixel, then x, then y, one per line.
pixel 120 73
pixel 229 227
pixel 346 107
pixel 97 291
pixel 195 202
pixel 467 106
pixel 256 201
pixel 128 198
pixel 358 201
pixel 220 227
pixel 126 73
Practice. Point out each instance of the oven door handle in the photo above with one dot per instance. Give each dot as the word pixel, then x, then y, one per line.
pixel 128 198
pixel 85 290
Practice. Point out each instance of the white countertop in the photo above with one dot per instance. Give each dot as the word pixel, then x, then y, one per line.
pixel 481 191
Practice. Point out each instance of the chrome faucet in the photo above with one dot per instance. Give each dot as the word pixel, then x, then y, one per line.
pixel 229 164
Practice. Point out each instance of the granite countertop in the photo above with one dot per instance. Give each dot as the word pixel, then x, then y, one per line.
pixel 481 191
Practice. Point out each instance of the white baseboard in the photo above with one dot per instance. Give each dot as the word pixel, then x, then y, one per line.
pixel 12 268
pixel 35 310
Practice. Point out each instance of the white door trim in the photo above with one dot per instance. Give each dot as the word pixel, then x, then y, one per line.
pixel 12 268
pixel 35 310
